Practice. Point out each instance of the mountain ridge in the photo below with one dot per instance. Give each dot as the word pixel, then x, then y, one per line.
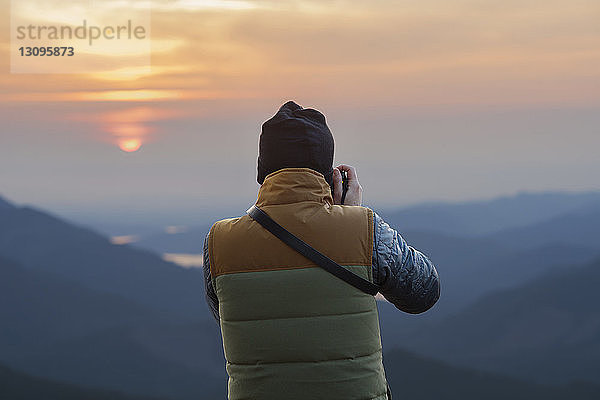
pixel 547 330
pixel 169 357
pixel 473 218
pixel 5 203
pixel 16 385
pixel 413 376
pixel 578 227
pixel 58 329
pixel 33 237
pixel 465 219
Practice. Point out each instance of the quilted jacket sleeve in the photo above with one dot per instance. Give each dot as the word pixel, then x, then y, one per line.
pixel 406 277
pixel 211 296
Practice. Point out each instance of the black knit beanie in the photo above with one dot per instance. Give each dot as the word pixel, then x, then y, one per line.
pixel 295 137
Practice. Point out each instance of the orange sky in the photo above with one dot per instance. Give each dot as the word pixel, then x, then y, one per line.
pixel 217 63
pixel 388 53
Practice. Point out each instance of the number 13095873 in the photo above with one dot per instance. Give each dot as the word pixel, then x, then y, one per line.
pixel 48 51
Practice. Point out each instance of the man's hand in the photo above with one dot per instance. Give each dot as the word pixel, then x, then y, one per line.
pixel 354 194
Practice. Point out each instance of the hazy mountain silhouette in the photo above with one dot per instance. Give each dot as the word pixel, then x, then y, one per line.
pixel 38 307
pixel 5 203
pixel 470 219
pixel 175 361
pixel 82 310
pixel 472 267
pixel 59 329
pixel 132 360
pixel 40 241
pixel 415 377
pixel 16 385
pixel 486 217
pixel 75 308
pixel 580 227
pixel 547 330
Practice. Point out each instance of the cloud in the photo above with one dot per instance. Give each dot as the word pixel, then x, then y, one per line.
pixel 199 5
pixel 212 56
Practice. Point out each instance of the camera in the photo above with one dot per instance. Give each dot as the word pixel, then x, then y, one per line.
pixel 344 187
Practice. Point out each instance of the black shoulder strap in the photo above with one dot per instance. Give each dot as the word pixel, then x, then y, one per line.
pixel 309 252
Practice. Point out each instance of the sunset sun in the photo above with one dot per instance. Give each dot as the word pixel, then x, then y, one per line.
pixel 130 145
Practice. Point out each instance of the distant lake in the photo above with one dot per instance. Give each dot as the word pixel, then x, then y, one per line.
pixel 184 260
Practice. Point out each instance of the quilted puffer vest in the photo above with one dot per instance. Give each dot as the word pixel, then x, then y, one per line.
pixel 290 329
